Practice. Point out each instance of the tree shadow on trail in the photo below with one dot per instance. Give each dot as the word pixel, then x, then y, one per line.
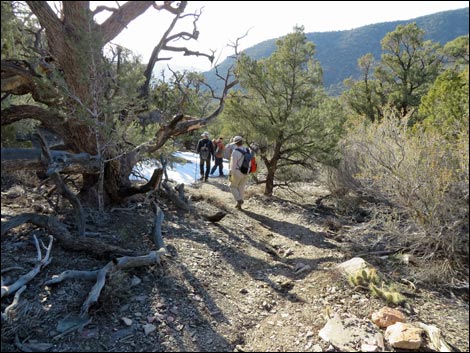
pixel 293 231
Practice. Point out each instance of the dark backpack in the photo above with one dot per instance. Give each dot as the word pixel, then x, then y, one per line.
pixel 204 152
pixel 247 156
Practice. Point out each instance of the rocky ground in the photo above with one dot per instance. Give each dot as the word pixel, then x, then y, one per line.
pixel 261 279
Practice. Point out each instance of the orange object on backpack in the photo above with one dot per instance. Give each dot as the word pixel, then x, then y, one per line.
pixel 253 165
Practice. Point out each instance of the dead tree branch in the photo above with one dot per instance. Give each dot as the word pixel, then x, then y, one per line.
pixel 152 184
pixel 6 313
pixel 64 190
pixel 122 263
pixel 167 38
pixel 41 262
pixel 64 238
pixel 100 275
pixel 175 198
pixel 157 226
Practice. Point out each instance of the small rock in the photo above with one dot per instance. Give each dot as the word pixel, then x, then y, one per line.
pixel 404 336
pixel 127 321
pixel 149 328
pixel 369 348
pixel 387 316
pixel 317 348
pixel 135 281
pixel 303 269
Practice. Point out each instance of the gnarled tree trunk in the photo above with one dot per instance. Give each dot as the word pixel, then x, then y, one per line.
pixel 74 82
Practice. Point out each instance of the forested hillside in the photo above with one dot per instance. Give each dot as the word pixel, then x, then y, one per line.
pixel 339 51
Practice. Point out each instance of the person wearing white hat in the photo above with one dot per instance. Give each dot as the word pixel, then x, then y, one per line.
pixel 205 148
pixel 237 180
pixel 229 149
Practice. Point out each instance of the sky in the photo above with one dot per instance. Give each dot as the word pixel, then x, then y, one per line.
pixel 222 22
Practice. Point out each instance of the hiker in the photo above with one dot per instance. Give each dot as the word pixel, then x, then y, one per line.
pixel 218 156
pixel 237 180
pixel 229 149
pixel 206 151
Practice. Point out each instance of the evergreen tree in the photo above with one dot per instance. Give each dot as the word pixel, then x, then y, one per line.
pixel 409 65
pixel 284 109
pixel 364 97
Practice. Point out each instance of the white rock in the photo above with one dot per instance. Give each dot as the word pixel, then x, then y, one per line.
pixel 127 321
pixel 404 336
pixel 353 265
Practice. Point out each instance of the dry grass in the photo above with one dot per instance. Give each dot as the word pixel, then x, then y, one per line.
pixel 424 175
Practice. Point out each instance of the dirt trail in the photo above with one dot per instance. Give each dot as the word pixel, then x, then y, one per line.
pixel 283 260
pixel 258 280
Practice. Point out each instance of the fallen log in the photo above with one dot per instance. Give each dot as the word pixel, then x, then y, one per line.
pixel 62 161
pixel 64 238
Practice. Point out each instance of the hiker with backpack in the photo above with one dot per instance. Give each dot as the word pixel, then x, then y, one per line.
pixel 229 149
pixel 205 148
pixel 238 175
pixel 218 156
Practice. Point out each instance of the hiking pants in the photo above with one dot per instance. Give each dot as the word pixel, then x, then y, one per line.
pixel 207 163
pixel 218 163
pixel 237 185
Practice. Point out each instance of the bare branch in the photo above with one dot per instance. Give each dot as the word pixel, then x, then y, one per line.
pixel 104 8
pixel 236 44
pixel 121 18
pixel 42 262
pixel 167 38
pixel 72 274
pixel 187 52
pixel 46 16
pixel 152 184
pixel 63 189
pixel 157 226
pixel 174 10
pixel 122 263
pixel 6 313
pixel 49 119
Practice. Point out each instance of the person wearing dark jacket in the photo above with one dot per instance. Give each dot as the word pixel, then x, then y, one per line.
pixel 205 148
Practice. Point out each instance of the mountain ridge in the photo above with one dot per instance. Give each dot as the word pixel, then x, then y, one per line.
pixel 338 51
